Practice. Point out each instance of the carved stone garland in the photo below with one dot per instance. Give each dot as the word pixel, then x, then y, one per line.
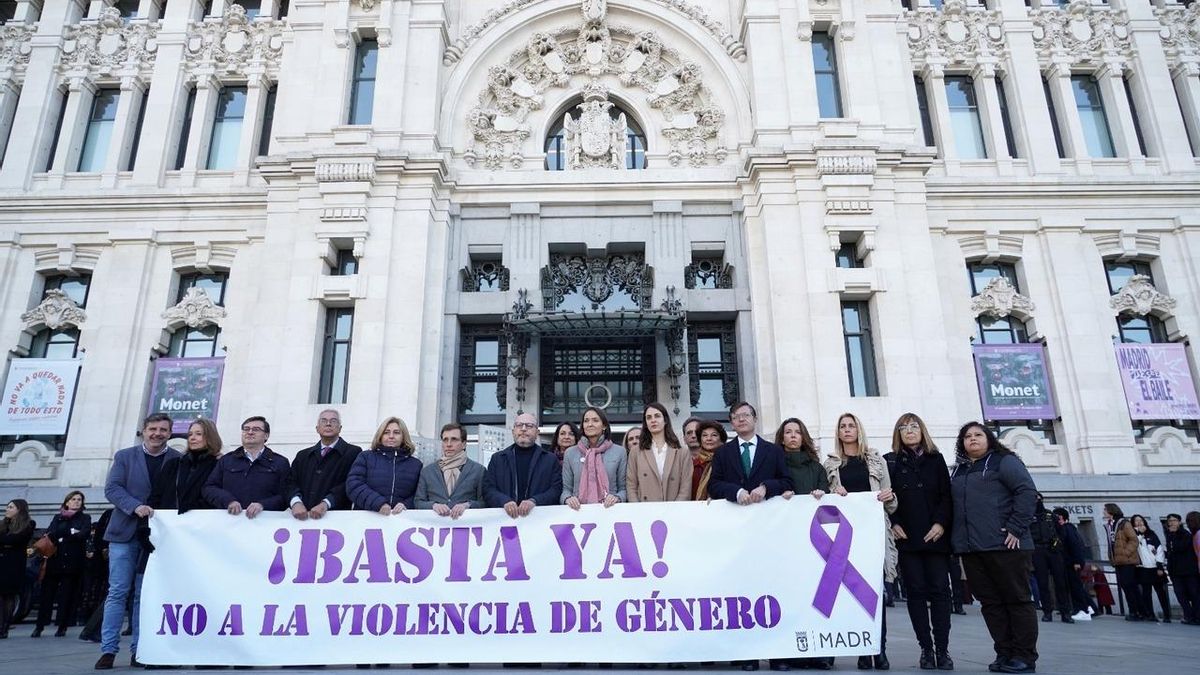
pixel 1139 297
pixel 1080 33
pixel 955 34
pixel 57 310
pixel 596 278
pixel 15 47
pixel 999 299
pixel 234 45
pixel 1181 34
pixel 594 49
pixel 196 309
pixel 109 46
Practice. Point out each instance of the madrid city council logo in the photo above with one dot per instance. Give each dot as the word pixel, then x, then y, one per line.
pixel 802 640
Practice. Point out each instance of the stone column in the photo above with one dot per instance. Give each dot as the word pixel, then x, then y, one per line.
pixel 129 105
pixel 257 88
pixel 208 88
pixel 1026 96
pixel 151 10
pixel 1111 81
pixel 10 92
pixel 81 92
pixel 1187 88
pixel 765 62
pixel 423 42
pixel 939 113
pixel 802 97
pixel 1069 126
pixel 988 100
pixel 525 254
pixel 166 107
pixel 669 254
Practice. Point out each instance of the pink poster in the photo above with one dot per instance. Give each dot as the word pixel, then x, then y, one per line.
pixel 1158 382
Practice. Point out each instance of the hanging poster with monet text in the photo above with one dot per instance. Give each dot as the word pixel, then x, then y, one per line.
pixel 1013 382
pixel 186 389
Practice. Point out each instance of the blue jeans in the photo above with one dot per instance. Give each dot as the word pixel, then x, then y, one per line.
pixel 122 578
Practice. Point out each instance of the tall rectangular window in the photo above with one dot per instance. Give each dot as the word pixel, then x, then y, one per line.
pixel 345 264
pixel 713 368
pixel 964 117
pixel 860 349
pixel 847 256
pixel 362 87
pixel 1053 118
pixel 1092 116
pixel 335 356
pixel 923 110
pixel 829 94
pixel 212 284
pixel 188 106
pixel 61 343
pixel 996 330
pixel 1137 121
pixel 482 374
pixel 227 128
pixel 137 132
pixel 99 130
pixel 264 138
pixel 1010 139
pixel 1142 328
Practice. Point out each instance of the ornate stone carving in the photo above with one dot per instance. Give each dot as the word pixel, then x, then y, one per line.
pixel 551 59
pixel 596 279
pixel 15 46
pixel 56 311
pixel 484 275
pixel 595 139
pixel 234 45
pixel 109 46
pixel 999 299
pixel 708 273
pixel 1180 33
pixel 196 309
pixel 845 164
pixel 1080 33
pixel 1139 297
pixel 343 172
pixel 589 8
pixel 955 34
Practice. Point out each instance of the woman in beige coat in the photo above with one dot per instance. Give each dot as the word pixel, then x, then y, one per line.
pixel 660 469
pixel 856 467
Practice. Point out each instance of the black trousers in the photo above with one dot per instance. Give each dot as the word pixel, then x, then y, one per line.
pixel 1128 583
pixel 956 586
pixel 927 577
pixel 1187 592
pixel 63 590
pixel 1000 580
pixel 1150 581
pixel 1079 595
pixel 1048 567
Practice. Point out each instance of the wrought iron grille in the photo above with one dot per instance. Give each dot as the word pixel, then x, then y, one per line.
pixel 573 283
pixel 570 368
pixel 484 276
pixel 708 272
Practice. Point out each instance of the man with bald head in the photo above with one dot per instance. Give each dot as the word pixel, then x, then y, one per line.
pixel 523 475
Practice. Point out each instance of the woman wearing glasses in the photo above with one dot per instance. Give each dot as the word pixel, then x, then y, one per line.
pixel 384 478
pixel 920 528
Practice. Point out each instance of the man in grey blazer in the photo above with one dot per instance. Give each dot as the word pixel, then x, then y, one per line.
pixel 128 488
pixel 453 483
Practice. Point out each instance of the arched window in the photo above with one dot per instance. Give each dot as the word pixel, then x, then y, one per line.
pixel 635 147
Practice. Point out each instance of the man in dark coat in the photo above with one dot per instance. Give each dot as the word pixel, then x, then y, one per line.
pixel 523 475
pixel 250 478
pixel 1048 564
pixel 1075 556
pixel 1181 565
pixel 316 482
pixel 749 468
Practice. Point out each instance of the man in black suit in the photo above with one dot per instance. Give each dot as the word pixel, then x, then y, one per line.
pixel 316 482
pixel 523 475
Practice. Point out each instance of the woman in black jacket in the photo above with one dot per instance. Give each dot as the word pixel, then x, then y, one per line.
pixel 182 478
pixel 69 531
pixel 920 526
pixel 15 532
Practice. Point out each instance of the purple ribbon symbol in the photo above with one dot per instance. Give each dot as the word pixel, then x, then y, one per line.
pixel 838 570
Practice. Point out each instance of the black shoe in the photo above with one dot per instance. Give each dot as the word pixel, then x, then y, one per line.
pixel 89 637
pixel 37 632
pixel 864 663
pixel 824 663
pixel 780 667
pixel 750 665
pixel 1017 666
pixel 422 666
pixel 1067 619
pixel 1131 617
pixel 881 662
pixel 61 632
pixel 1167 620
pixel 958 610
pixel 1047 618
pixel 995 666
pixel 134 663
pixel 106 661
pixel 944 662
pixel 927 662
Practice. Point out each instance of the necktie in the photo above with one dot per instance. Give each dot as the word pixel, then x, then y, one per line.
pixel 325 451
pixel 746 457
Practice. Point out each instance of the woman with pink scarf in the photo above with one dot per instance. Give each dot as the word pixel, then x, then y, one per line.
pixel 591 473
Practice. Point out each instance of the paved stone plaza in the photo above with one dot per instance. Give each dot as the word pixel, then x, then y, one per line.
pixel 1107 645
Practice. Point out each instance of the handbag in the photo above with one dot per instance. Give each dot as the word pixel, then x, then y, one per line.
pixel 45 546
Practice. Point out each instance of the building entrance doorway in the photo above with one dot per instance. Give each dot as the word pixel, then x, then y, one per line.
pixel 617 374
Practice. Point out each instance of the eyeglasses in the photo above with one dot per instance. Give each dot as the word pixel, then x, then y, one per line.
pixel 253 430
pixel 911 426
pixel 330 423
pixel 524 425
pixel 742 416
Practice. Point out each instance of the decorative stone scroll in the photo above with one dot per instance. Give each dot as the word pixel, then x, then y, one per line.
pixel 594 9
pixel 15 47
pixel 57 310
pixel 341 172
pixel 1139 297
pixel 1080 33
pixel 234 45
pixel 196 309
pixel 955 34
pixel 999 299
pixel 592 49
pixel 109 46
pixel 1180 33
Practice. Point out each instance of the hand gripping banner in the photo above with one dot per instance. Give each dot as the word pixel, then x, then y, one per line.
pixel 641 583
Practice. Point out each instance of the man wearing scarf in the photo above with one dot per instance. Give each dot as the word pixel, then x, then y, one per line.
pixel 453 483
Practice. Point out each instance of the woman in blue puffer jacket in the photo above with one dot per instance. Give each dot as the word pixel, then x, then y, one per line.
pixel 384 478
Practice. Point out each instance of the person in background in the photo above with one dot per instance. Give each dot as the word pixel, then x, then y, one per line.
pixel 691 435
pixel 1075 556
pixel 957 588
pixel 712 436
pixel 1123 551
pixel 316 480
pixel 921 481
pixel 454 483
pixel 1151 570
pixel 384 478
pixel 590 473
pixel 660 470
pixel 1048 564
pixel 994 501
pixel 523 475
pixel 69 530
pixel 15 532
pixel 1097 585
pixel 854 466
pixel 98 561
pixel 566 436
pixel 632 440
pixel 1183 569
pixel 127 488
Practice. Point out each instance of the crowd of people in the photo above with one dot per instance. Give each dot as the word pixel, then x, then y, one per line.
pixel 976 522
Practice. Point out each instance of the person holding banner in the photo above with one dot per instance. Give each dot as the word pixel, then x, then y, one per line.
pixel 748 469
pixel 591 474
pixel 69 531
pixel 804 465
pixel 454 483
pixel 660 470
pixel 854 466
pixel 180 483
pixel 994 499
pixel 712 436
pixel 523 475
pixel 127 488
pixel 385 478
pixel 316 481
pixel 921 481
pixel 251 478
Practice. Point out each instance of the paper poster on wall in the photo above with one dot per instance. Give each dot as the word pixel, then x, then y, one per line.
pixel 38 396
pixel 1014 383
pixel 1158 382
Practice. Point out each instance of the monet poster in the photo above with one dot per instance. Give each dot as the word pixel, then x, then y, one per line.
pixel 1013 382
pixel 186 389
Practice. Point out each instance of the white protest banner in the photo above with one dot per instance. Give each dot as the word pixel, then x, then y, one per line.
pixel 38 396
pixel 656 582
